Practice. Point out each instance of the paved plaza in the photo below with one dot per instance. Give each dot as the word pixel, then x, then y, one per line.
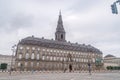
pixel 61 76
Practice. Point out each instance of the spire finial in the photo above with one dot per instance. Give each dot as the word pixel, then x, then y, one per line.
pixel 60 32
pixel 60 12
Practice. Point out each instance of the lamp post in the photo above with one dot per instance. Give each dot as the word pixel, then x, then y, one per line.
pixel 13 50
pixel 89 67
pixel 63 65
pixel 21 67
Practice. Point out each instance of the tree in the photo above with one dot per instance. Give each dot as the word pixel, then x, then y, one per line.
pixel 3 66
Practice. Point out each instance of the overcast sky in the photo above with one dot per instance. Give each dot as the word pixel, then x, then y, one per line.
pixel 85 21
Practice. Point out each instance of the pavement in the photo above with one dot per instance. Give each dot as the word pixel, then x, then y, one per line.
pixel 60 76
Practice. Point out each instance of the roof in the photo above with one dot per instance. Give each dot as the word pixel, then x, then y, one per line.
pixel 109 55
pixel 58 44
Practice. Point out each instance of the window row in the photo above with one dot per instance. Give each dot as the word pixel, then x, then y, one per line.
pixel 54 58
pixel 32 56
pixel 26 64
pixel 32 64
pixel 61 51
pixel 27 56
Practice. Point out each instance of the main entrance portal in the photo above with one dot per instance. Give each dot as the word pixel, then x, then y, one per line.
pixel 70 67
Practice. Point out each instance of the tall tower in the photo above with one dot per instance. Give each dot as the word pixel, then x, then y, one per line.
pixel 60 32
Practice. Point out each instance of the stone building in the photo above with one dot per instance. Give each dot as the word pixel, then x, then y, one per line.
pixel 43 54
pixel 110 60
pixel 8 59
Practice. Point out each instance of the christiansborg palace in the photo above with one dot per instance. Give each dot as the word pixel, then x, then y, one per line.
pixel 43 54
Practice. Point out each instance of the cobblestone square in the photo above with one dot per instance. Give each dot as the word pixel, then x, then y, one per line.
pixel 61 76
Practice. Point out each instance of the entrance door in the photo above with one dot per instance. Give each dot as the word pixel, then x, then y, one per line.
pixel 70 67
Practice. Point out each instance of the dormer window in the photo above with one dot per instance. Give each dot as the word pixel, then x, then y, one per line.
pixel 61 36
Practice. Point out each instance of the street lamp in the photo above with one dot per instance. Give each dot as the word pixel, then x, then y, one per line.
pixel 89 67
pixel 13 51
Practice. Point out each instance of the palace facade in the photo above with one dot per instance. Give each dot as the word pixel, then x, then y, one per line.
pixel 43 54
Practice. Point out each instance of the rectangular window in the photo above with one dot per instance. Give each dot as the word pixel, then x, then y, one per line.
pixel 33 48
pixel 38 57
pixel 43 49
pixel 38 49
pixel 27 48
pixel 20 56
pixel 27 56
pixel 32 64
pixel 26 64
pixel 33 56
pixel 21 47
pixel 37 64
pixel 19 64
pixel 43 57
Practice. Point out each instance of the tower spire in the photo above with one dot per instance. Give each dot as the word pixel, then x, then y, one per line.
pixel 60 12
pixel 60 32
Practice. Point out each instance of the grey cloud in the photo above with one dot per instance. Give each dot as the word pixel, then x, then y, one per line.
pixel 15 22
pixel 21 20
pixel 84 5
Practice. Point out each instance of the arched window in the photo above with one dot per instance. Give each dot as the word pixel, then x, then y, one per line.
pixel 19 64
pixel 26 64
pixel 33 48
pixel 51 58
pixel 37 64
pixel 20 56
pixel 38 57
pixel 48 57
pixel 74 59
pixel 27 56
pixel 61 58
pixel 61 36
pixel 38 49
pixel 54 58
pixel 27 48
pixel 58 58
pixel 43 57
pixel 33 56
pixel 32 64
pixel 93 59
